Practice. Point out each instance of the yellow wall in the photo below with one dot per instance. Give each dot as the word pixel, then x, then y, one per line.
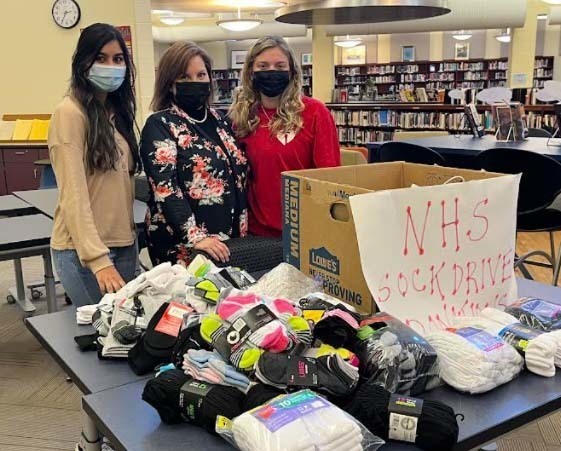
pixel 36 53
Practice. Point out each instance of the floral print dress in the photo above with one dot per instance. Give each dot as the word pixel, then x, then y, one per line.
pixel 198 185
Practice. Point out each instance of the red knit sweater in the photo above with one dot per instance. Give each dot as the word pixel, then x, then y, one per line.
pixel 316 145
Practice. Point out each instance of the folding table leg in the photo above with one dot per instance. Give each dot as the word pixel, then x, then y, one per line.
pixel 90 439
pixel 17 294
pixel 49 282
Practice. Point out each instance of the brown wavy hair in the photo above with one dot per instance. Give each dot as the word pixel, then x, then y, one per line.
pixel 172 66
pixel 243 111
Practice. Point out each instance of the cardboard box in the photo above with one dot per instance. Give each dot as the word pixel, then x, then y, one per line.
pixel 319 235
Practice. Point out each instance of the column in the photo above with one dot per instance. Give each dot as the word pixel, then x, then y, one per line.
pixel 323 67
pixel 143 59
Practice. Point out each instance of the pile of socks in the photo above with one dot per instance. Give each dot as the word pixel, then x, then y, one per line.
pixel 536 313
pixel 474 361
pixel 301 421
pixel 245 325
pixel 209 367
pixel 395 356
pixel 85 313
pixel 286 282
pixel 329 374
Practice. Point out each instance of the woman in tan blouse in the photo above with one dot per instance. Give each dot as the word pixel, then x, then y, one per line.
pixel 94 152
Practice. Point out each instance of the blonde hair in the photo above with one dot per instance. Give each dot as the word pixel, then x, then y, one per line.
pixel 243 111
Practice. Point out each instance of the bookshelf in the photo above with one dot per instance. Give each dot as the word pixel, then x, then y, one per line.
pixel 361 123
pixel 307 80
pixel 383 82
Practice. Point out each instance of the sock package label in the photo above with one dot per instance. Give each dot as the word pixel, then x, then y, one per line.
pixel 538 307
pixel 479 338
pixel 302 372
pixel 172 319
pixel 191 398
pixel 289 408
pixel 519 335
pixel 404 416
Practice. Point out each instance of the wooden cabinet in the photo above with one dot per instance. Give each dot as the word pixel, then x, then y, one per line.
pixel 18 171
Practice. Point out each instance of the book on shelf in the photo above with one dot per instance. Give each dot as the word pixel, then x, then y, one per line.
pixel 474 120
pixel 422 94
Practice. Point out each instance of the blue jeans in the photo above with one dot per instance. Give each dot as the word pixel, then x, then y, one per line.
pixel 80 283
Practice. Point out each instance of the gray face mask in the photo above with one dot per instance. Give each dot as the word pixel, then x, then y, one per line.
pixel 107 78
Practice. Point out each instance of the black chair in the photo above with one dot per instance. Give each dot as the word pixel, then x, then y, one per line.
pixel 539 186
pixel 255 254
pixel 538 133
pixel 412 153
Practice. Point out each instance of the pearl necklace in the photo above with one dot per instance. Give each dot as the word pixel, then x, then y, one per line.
pixel 197 121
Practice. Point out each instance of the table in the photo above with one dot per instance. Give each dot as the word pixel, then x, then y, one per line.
pixel 459 150
pixel 12 206
pixel 55 332
pixel 130 424
pixel 27 236
pixel 45 201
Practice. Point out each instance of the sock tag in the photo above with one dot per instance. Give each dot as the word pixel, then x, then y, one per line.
pixel 519 335
pixel 313 315
pixel 404 416
pixel 302 372
pixel 191 398
pixel 172 319
pixel 239 278
pixel 479 338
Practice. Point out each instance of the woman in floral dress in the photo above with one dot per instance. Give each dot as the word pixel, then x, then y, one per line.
pixel 196 172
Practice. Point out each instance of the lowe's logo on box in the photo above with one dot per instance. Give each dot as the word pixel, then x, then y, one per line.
pixel 322 258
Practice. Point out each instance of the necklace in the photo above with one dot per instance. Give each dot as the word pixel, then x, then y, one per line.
pixel 266 115
pixel 197 121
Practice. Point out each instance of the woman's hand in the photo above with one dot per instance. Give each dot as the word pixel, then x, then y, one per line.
pixel 215 248
pixel 109 280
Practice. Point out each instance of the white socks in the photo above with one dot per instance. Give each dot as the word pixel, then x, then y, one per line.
pixel 323 427
pixel 474 361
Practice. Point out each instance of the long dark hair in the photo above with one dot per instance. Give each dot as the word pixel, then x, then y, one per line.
pixel 172 66
pixel 102 153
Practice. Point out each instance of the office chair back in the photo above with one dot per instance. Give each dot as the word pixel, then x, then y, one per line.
pixel 412 153
pixel 541 175
pixel 538 133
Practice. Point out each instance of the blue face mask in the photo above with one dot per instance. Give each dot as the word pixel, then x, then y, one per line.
pixel 107 78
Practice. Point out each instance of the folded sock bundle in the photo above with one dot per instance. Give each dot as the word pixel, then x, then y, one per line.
pixel 536 313
pixel 395 356
pixel 85 313
pixel 310 423
pixel 178 398
pixel 324 349
pixel 203 293
pixel 101 320
pixel 474 361
pixel 337 326
pixel 259 394
pixel 436 425
pixel 189 338
pixel 210 367
pixel 329 374
pixel 537 347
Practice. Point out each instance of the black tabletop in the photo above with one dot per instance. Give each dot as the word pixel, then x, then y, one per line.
pixel 130 424
pixel 45 201
pixel 24 231
pixel 55 332
pixel 11 205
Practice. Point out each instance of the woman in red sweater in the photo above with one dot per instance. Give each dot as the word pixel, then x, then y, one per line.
pixel 281 129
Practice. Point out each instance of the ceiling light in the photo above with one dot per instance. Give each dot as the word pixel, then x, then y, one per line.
pixel 162 12
pixel 172 20
pixel 542 16
pixel 462 35
pixel 239 24
pixel 553 2
pixel 253 3
pixel 335 12
pixel 504 36
pixel 348 42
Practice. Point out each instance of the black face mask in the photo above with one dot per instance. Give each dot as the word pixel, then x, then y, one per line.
pixel 191 95
pixel 271 83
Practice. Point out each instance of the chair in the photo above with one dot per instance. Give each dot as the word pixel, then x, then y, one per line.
pixel 539 186
pixel 352 157
pixel 412 153
pixel 538 133
pixel 363 150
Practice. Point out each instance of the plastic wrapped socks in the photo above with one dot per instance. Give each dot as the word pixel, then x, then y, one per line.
pixel 332 374
pixel 164 394
pixel 244 357
pixel 437 428
pixel 335 331
pixel 324 349
pixel 536 313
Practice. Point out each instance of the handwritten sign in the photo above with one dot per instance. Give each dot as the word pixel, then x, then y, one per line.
pixel 432 253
